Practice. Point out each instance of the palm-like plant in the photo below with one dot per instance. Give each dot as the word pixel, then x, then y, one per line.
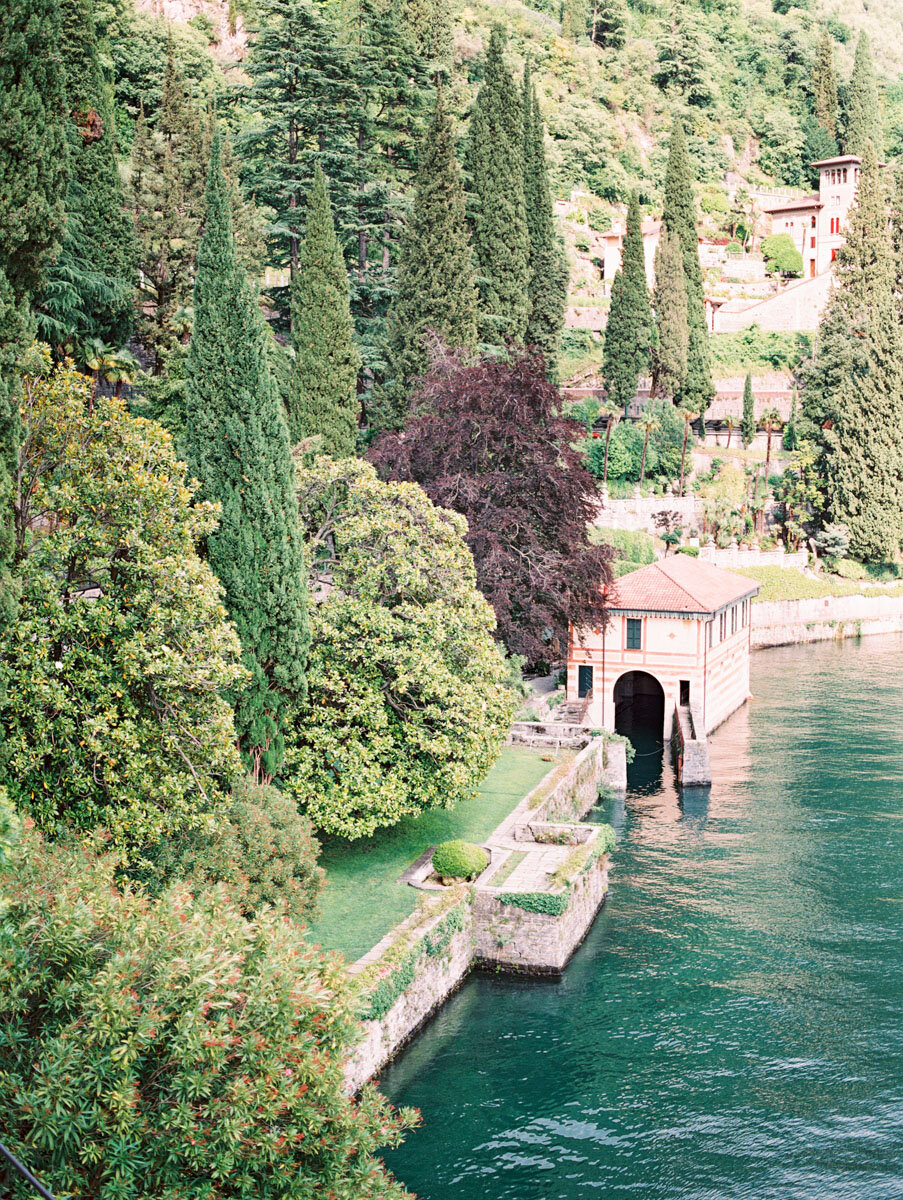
pixel 729 422
pixel 650 424
pixel 613 413
pixel 771 419
pixel 688 415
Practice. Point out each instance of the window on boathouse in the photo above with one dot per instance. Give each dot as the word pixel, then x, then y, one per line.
pixel 634 633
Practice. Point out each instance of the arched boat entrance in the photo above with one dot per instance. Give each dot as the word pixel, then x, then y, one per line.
pixel 639 706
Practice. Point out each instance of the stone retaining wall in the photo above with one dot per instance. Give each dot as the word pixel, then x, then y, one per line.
pixel 514 939
pixel 492 932
pixel 786 622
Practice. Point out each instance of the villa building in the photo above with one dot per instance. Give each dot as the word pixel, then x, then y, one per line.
pixel 678 634
pixel 816 222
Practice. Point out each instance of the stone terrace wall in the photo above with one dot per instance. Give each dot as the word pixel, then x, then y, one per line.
pixel 515 939
pixel 435 978
pixel 785 622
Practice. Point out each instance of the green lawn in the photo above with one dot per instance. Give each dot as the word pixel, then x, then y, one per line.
pixel 363 901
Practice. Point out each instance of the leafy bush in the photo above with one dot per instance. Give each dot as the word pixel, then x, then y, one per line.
pixel 409 698
pixel 757 350
pixel 607 839
pixel 262 848
pixel 182 1048
pixel 112 679
pixel 781 255
pixel 833 541
pixel 691 551
pixel 459 860
pixel 848 568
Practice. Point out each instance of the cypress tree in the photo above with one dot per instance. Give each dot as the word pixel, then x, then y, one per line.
pixel 854 392
pixel 237 445
pixel 89 293
pixel 574 19
pixel 863 110
pixel 791 437
pixel 630 332
pixel 679 215
pixel 33 174
pixel 494 163
pixel 670 304
pixel 324 377
pixel 549 271
pixel 436 282
pixel 609 24
pixel 748 420
pixel 824 84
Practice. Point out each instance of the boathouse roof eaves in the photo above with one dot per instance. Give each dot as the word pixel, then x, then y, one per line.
pixel 680 586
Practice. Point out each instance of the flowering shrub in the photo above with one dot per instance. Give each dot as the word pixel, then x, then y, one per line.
pixel 180 1050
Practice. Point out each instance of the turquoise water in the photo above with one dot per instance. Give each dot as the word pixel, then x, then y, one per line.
pixel 733 1025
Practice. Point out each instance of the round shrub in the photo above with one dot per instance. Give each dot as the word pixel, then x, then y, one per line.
pixel 459 860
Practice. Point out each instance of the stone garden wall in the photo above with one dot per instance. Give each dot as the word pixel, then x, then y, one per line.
pixel 785 622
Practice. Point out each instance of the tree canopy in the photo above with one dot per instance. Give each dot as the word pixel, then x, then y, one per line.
pixel 491 445
pixel 407 705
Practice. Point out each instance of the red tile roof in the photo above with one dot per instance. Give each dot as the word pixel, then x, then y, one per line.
pixel 792 205
pixel 679 584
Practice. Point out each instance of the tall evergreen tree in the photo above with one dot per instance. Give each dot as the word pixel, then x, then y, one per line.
pixel 863 109
pixel 609 24
pixel 824 84
pixel 748 420
pixel 549 270
pixel 672 328
pixel 436 282
pixel 324 376
pixel 238 447
pixel 679 215
pixel 854 392
pixel 494 163
pixel 630 332
pixel 574 19
pixel 33 174
pixel 89 290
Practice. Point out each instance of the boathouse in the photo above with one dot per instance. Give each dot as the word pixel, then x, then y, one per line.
pixel 678 635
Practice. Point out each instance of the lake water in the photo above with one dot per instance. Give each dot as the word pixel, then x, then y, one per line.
pixel 733 1025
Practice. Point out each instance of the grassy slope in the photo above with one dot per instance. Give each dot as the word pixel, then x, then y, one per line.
pixel 363 899
pixel 783 583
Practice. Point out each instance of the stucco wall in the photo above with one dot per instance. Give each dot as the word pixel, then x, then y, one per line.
pixel 798 307
pixel 782 622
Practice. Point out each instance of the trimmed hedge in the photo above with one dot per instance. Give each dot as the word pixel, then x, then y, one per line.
pixel 459 860
pixel 552 904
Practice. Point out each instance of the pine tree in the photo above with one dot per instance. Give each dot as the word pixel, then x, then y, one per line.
pixel 436 283
pixel 670 304
pixel 748 420
pixel 494 163
pixel 237 445
pixel 679 215
pixel 33 175
pixel 630 332
pixel 854 391
pixel 609 24
pixel 89 291
pixel 863 109
pixel 824 84
pixel 324 399
pixel 574 19
pixel 549 270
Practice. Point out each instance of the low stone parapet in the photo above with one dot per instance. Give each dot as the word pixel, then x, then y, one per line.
pixel 787 622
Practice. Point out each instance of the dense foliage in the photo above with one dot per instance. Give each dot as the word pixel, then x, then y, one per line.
pixel 407 701
pixel 630 333
pixel 491 444
pixel 178 1042
pixel 112 674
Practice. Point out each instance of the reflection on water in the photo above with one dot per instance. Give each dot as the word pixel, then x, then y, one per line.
pixel 733 1025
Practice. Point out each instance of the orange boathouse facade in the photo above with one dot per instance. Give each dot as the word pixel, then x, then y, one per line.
pixel 678 633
